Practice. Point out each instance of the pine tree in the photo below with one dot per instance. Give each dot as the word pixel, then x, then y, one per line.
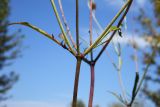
pixel 8 50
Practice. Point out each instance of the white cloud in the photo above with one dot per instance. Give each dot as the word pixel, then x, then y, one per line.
pixel 34 104
pixel 129 39
pixel 140 3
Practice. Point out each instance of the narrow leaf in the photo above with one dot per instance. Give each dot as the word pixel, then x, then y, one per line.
pixel 135 85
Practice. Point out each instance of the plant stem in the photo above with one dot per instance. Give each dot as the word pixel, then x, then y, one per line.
pixel 119 24
pixel 106 29
pixel 122 86
pixel 77 26
pixel 90 27
pixel 92 63
pixel 143 77
pixel 45 34
pixel 61 26
pixel 66 25
pixel 76 81
pixel 91 94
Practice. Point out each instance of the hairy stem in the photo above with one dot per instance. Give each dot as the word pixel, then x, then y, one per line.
pixel 91 94
pixel 76 81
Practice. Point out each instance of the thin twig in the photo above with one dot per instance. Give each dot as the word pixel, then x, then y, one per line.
pixel 61 27
pixel 77 27
pixel 90 26
pixel 66 25
pixel 144 75
pixel 136 59
pixel 122 87
pixel 43 33
pixel 118 52
pixel 118 68
pixel 86 60
pixel 98 40
pixel 119 24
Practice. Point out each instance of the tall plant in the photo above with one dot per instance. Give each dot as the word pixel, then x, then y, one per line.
pixel 74 46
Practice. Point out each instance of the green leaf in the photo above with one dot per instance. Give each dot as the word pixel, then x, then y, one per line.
pixel 113 28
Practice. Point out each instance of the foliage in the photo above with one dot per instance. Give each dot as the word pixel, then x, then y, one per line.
pixel 8 50
pixel 80 103
pixel 116 105
pixel 152 36
pixel 120 105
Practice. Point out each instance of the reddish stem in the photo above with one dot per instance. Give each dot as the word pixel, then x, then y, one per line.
pixel 90 27
pixel 91 86
pixel 76 81
pixel 65 23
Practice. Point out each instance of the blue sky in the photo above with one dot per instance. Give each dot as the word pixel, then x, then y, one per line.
pixel 47 71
